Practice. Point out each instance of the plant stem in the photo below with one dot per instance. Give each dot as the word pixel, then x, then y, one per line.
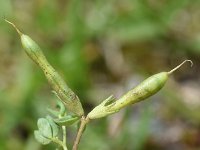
pixel 65 147
pixel 84 121
pixel 57 141
pixel 64 141
pixel 64 138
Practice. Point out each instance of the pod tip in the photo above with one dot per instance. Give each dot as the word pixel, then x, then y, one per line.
pixel 18 31
pixel 177 67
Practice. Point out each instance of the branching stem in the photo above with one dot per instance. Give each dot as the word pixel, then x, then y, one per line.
pixel 84 121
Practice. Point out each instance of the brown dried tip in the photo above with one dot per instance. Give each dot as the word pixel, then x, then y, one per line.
pixel 177 67
pixel 18 31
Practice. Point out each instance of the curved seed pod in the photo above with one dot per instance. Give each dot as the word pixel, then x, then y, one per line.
pixel 147 88
pixel 69 98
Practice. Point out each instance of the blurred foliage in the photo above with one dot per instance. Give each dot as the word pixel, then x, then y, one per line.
pixel 103 47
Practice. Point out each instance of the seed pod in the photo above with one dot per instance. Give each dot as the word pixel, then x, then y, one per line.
pixel 147 88
pixel 69 98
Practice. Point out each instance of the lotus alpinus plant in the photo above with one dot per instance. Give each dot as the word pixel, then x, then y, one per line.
pixel 71 110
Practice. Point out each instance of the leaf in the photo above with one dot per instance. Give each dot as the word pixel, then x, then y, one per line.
pixel 54 126
pixel 41 139
pixel 62 107
pixel 67 120
pixel 53 112
pixel 44 127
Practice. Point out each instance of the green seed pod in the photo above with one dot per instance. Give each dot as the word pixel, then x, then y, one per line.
pixel 147 88
pixel 69 98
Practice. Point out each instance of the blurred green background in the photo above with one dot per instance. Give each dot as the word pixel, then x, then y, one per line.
pixel 103 47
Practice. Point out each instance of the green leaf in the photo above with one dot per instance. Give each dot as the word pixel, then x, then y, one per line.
pixel 54 126
pixel 67 120
pixel 53 112
pixel 40 138
pixel 62 107
pixel 44 127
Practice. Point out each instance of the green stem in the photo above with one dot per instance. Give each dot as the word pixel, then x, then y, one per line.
pixel 64 141
pixel 60 143
pixel 57 141
pixel 64 138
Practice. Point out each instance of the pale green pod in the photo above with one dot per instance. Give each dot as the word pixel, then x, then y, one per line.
pixel 147 88
pixel 69 98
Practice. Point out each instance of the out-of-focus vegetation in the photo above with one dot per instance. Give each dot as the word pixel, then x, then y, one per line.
pixel 103 47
